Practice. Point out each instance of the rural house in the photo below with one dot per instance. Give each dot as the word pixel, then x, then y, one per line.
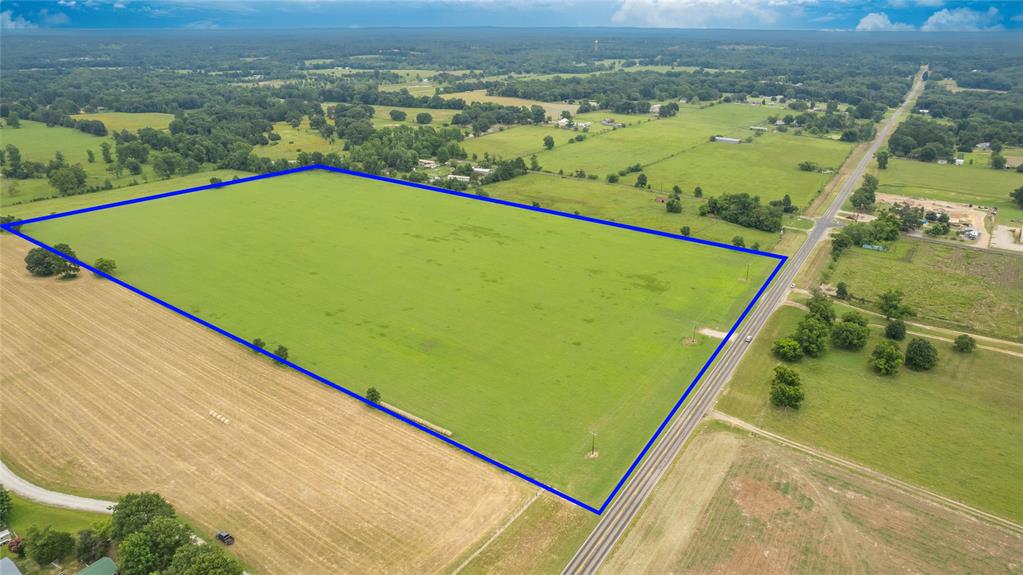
pixel 103 566
pixel 725 140
pixel 458 178
pixel 428 164
pixel 481 171
pixel 655 109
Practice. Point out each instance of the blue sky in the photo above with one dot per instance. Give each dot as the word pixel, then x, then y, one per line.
pixel 864 15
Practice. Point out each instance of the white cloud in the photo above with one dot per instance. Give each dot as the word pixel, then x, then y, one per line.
pixel 68 3
pixel 962 20
pixel 706 13
pixel 1017 18
pixel 119 5
pixel 924 3
pixel 879 22
pixel 202 25
pixel 9 21
pixel 54 18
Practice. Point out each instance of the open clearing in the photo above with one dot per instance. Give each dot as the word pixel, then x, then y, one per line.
pixel 954 430
pixel 977 291
pixel 554 109
pixel 295 140
pixel 736 503
pixel 382 116
pixel 963 184
pixel 131 121
pixel 523 333
pixel 107 393
pixel 40 143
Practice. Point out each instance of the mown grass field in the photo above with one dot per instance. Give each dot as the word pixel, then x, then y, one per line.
pixel 554 109
pixel 382 117
pixel 295 140
pixel 768 167
pixel 519 141
pixel 623 204
pixel 131 121
pixel 955 429
pixel 965 184
pixel 973 290
pixel 26 513
pixel 522 333
pixel 66 203
pixel 39 143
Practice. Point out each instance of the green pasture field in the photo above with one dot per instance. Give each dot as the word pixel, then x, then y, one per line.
pixel 768 167
pixel 40 143
pixel 977 291
pixel 623 204
pixel 954 429
pixel 650 141
pixel 424 88
pixel 518 141
pixel 521 332
pixel 554 109
pixel 382 118
pixel 67 203
pixel 26 513
pixel 131 121
pixel 295 140
pixel 976 184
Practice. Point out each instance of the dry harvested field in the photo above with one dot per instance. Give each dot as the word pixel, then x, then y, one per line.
pixel 106 393
pixel 736 503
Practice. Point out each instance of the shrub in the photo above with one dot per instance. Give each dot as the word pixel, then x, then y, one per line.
pixel 812 335
pixel 849 335
pixel 921 355
pixel 786 388
pixel 373 395
pixel 787 349
pixel 896 329
pixel 855 317
pixel 886 357
pixel 46 545
pixel 964 344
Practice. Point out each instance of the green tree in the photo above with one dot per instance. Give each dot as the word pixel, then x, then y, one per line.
pixel 697 192
pixel 135 510
pixel 164 535
pixel 964 344
pixel 373 395
pixel 998 161
pixel 105 265
pixel 424 118
pixel 202 560
pixel 5 506
pixel 849 335
pixel 548 142
pixel 882 159
pixel 684 230
pixel 895 330
pixel 886 357
pixel 258 342
pixel 856 318
pixel 90 156
pixel 612 178
pixel 68 180
pixel 135 557
pixel 787 349
pixel 921 355
pixel 1017 195
pixel 534 164
pixel 738 241
pixel 104 150
pixel 820 307
pixel 91 546
pixel 398 115
pixel 673 205
pixel 641 181
pixel 812 334
pixel 842 291
pixel 890 304
pixel 281 352
pixel 44 546
pixel 13 120
pixel 786 388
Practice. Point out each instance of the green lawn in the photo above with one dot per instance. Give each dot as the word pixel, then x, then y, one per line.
pixel 966 184
pixel 623 204
pixel 521 332
pixel 515 142
pixel 26 513
pixel 768 167
pixel 39 143
pixel 117 121
pixel 973 290
pixel 955 430
pixel 553 109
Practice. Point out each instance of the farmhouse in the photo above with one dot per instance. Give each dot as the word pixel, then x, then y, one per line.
pixel 584 125
pixel 611 122
pixel 960 161
pixel 779 122
pixel 655 109
pixel 923 111
pixel 428 164
pixel 104 566
pixel 458 178
pixel 564 123
pixel 984 146
pixel 725 140
pixel 481 171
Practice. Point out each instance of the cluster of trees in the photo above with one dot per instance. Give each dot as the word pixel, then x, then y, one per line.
pixel 865 196
pixel 855 125
pixel 924 139
pixel 151 539
pixel 65 178
pixel 746 211
pixel 44 263
pixel 281 351
pixel 786 388
pixel 885 228
pixel 976 117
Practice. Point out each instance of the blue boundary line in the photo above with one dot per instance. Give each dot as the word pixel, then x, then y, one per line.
pixel 14 228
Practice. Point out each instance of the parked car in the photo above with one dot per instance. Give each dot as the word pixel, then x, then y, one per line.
pixel 225 538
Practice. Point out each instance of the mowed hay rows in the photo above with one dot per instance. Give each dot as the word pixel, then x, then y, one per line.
pixel 106 393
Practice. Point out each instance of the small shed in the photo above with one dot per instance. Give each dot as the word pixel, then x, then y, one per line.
pixel 725 140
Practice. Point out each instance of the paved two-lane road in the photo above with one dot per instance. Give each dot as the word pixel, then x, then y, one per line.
pixel 619 514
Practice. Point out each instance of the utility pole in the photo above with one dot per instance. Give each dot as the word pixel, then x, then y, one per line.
pixel 593 443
